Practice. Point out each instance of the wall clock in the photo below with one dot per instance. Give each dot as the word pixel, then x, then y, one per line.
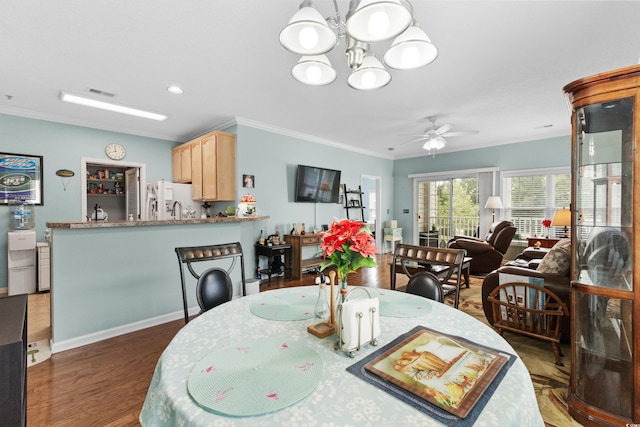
pixel 115 151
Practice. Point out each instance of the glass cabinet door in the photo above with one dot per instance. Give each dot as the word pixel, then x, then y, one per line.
pixel 603 256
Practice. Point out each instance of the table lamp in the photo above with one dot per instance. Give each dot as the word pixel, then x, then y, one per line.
pixel 493 203
pixel 562 218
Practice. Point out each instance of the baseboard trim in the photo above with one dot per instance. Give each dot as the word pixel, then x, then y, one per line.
pixel 57 347
pixel 4 292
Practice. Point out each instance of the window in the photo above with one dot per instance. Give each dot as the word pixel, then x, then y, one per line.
pixel 530 196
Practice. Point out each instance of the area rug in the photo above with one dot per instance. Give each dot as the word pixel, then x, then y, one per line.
pixel 38 351
pixel 551 382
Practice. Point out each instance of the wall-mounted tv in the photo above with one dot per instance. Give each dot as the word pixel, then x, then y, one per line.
pixel 317 185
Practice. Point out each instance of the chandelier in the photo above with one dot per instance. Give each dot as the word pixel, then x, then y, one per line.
pixel 368 21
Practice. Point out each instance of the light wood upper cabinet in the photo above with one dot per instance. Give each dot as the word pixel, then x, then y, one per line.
pixel 181 163
pixel 213 167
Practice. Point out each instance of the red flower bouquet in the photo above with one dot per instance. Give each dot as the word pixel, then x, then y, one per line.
pixel 348 245
pixel 546 223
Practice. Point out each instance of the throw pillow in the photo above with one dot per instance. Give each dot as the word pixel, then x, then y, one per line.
pixel 558 259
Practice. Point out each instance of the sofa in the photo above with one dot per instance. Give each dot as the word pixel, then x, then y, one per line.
pixel 554 268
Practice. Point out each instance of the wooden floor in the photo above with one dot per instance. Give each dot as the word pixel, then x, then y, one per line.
pixel 105 384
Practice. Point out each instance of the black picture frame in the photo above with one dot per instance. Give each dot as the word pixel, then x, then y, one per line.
pixel 355 203
pixel 248 181
pixel 21 178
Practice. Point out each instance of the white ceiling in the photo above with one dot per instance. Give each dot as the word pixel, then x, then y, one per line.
pixel 500 70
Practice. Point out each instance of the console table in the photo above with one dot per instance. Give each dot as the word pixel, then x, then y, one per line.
pixel 545 242
pixel 274 251
pixel 297 242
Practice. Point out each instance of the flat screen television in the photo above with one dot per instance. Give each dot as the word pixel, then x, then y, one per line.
pixel 317 185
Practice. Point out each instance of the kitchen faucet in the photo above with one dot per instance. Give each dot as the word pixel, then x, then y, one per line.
pixel 173 209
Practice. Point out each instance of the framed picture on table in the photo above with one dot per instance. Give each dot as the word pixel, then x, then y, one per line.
pixel 21 178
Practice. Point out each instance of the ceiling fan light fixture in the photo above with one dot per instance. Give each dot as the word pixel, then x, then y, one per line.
pixel 378 20
pixel 314 71
pixel 307 33
pixel 435 143
pixel 369 75
pixel 411 49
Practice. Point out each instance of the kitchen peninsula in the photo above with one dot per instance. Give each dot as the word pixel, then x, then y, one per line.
pixel 111 278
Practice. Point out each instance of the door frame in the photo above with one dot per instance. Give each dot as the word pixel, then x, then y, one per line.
pixel 444 175
pixel 378 207
pixel 142 183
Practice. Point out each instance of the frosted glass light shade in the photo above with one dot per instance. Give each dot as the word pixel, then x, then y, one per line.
pixel 436 143
pixel 369 75
pixel 378 20
pixel 314 71
pixel 411 49
pixel 308 33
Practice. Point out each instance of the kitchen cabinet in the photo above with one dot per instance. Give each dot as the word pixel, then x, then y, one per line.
pixel 181 163
pixel 213 167
pixel 605 300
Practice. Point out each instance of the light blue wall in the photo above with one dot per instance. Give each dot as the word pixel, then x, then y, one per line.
pixel 273 159
pixel 122 277
pixel 546 153
pixel 62 146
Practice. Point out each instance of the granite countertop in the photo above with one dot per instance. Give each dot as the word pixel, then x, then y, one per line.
pixel 111 224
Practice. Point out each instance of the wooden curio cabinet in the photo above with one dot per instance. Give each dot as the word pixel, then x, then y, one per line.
pixel 605 287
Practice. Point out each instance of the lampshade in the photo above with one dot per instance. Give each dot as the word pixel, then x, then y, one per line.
pixel 411 49
pixel 314 70
pixel 562 218
pixel 493 202
pixel 369 75
pixel 378 20
pixel 308 33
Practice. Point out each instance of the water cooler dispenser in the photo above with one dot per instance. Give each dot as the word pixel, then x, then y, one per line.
pixel 21 249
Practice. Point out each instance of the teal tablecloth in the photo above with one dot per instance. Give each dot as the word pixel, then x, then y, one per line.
pixel 340 399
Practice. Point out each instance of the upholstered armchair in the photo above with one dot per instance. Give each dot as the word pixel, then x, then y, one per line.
pixel 554 269
pixel 486 253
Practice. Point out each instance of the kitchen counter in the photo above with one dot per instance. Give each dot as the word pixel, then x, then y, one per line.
pixel 115 277
pixel 111 224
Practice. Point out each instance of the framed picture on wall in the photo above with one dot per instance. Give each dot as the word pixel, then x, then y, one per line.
pixel 21 178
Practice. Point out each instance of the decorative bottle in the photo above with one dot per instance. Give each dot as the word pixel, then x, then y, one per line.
pixel 322 307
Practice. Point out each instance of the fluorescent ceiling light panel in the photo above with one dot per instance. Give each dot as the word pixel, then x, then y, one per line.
pixel 116 108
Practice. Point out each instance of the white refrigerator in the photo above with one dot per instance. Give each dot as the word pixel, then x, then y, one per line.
pixel 161 196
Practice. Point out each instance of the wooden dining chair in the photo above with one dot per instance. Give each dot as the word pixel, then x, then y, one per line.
pixel 427 285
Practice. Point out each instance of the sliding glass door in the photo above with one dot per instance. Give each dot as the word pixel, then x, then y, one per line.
pixel 447 207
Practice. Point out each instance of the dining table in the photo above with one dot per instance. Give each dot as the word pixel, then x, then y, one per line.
pixel 252 362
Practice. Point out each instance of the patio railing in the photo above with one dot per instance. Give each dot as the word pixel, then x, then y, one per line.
pixel 447 227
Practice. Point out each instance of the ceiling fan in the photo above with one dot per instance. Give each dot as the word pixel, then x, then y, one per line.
pixel 434 136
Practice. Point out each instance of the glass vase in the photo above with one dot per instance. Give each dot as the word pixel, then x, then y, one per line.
pixel 342 289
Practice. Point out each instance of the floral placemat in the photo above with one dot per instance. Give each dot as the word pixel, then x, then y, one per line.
pixel 288 306
pixel 255 377
pixel 401 304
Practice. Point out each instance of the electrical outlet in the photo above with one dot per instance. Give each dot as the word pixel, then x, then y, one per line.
pixel 405 211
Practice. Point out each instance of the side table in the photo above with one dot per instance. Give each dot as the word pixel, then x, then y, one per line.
pixel 392 235
pixel 545 242
pixel 273 253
